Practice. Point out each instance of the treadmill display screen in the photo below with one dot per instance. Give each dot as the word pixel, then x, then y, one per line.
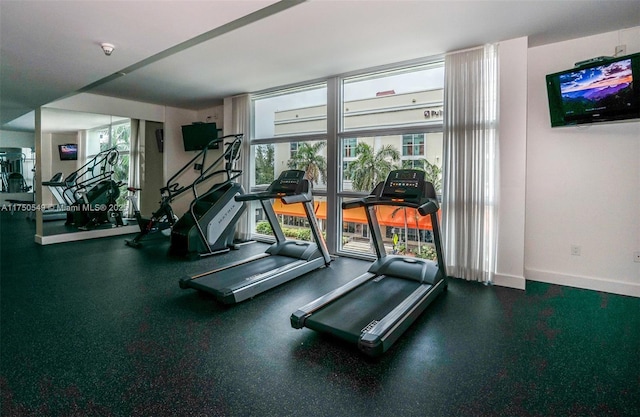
pixel 288 181
pixel 403 184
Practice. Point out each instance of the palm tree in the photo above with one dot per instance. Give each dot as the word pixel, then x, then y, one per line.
pixel 433 173
pixel 309 160
pixel 371 167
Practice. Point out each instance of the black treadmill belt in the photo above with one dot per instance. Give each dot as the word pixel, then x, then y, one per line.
pixel 231 277
pixel 349 314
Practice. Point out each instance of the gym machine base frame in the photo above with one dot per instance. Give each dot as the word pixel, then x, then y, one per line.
pixel 374 309
pixel 282 261
pixel 208 227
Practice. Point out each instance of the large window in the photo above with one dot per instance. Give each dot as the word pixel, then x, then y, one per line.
pixel 289 132
pixel 292 112
pixel 385 120
pixel 396 118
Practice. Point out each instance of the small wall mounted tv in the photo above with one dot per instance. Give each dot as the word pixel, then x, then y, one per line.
pixel 68 152
pixel 601 90
pixel 197 136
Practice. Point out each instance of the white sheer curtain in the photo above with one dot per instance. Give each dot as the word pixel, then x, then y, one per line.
pixel 470 166
pixel 239 108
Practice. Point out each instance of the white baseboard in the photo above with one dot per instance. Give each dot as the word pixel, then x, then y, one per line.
pixel 89 234
pixel 510 281
pixel 588 283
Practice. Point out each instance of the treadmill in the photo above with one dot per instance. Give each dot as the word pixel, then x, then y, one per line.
pixel 282 261
pixel 374 309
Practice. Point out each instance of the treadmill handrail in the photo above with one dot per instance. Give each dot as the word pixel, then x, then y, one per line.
pixel 285 197
pixel 424 209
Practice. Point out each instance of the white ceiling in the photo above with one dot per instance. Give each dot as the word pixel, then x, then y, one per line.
pixel 191 54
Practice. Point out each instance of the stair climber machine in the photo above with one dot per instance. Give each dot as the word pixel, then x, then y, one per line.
pixel 89 194
pixel 282 261
pixel 208 227
pixel 163 219
pixel 374 309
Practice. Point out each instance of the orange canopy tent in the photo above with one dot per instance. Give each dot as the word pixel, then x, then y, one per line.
pixel 387 215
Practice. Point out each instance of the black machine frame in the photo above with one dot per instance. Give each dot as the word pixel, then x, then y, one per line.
pixel 282 261
pixel 89 193
pixel 374 309
pixel 188 237
pixel 164 218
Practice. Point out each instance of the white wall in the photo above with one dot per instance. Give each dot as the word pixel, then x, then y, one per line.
pixel 212 115
pixel 583 183
pixel 174 156
pixel 512 150
pixel 11 139
pixel 153 178
pixel 92 103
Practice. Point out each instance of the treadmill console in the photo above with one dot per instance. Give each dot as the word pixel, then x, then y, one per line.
pixel 287 183
pixel 407 185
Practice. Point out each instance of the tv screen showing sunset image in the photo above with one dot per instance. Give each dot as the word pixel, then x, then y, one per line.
pixel 597 89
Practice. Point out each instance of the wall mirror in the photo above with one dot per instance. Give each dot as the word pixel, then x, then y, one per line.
pixel 87 162
pixel 17 167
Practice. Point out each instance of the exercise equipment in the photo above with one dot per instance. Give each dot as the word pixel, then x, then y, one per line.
pixel 11 166
pixel 208 227
pixel 283 261
pixel 89 194
pixel 188 240
pixel 161 220
pixel 374 309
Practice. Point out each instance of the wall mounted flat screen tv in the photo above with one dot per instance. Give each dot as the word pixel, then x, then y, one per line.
pixel 602 91
pixel 197 136
pixel 68 152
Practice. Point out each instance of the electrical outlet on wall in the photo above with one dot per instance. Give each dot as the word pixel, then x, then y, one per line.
pixel 636 256
pixel 575 250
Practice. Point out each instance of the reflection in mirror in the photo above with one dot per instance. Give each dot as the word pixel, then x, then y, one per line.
pixel 17 167
pixel 84 165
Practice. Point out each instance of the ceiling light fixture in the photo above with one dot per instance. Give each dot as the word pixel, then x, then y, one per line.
pixel 107 48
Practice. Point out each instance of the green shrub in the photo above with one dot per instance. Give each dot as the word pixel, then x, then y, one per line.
pixel 428 252
pixel 264 228
pixel 304 234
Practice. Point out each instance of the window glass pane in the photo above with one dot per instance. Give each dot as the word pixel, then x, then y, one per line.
pixel 374 157
pixel 273 158
pixel 403 231
pixel 291 217
pixel 296 112
pixel 406 97
pixel 262 157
